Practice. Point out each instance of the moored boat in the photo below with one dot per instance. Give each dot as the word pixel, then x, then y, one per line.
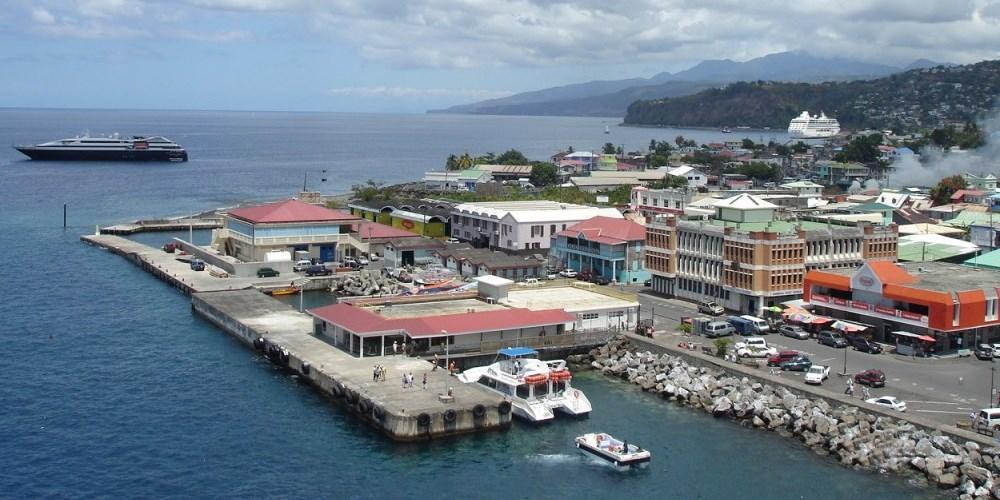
pixel 288 290
pixel 606 447
pixel 535 388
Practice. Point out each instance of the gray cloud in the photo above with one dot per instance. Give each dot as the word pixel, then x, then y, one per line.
pixel 546 33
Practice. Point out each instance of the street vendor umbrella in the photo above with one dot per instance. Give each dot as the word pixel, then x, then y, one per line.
pixel 775 309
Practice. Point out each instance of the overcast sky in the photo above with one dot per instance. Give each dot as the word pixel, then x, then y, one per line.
pixel 410 55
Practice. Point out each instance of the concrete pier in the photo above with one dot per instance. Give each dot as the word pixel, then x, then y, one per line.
pixel 284 336
pixel 161 225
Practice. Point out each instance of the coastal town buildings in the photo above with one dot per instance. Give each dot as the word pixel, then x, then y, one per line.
pixel 927 308
pixel 468 261
pixel 746 259
pixel 602 246
pixel 456 180
pixel 518 225
pixel 695 178
pixel 652 202
pixel 985 182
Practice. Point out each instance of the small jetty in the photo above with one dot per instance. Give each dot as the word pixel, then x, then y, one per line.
pixel 163 225
pixel 285 336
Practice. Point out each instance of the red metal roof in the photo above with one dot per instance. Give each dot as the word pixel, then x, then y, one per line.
pixel 362 321
pixel 374 230
pixel 289 211
pixel 890 273
pixel 606 230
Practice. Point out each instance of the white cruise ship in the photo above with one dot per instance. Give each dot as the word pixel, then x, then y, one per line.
pixel 813 127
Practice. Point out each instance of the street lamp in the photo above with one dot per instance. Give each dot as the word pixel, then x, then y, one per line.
pixel 992 373
pixel 447 364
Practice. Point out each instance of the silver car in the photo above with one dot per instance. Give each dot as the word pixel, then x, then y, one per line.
pixel 795 332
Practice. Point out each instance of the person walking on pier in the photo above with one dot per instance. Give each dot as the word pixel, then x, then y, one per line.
pixel 395 347
pixel 375 372
pixel 435 363
pixel 384 373
pixel 404 381
pixel 424 383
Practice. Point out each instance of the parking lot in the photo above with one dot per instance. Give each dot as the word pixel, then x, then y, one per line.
pixel 946 390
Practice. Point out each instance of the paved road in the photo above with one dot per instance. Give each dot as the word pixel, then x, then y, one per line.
pixel 946 390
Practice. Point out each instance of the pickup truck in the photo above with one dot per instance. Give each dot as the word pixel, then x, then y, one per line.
pixel 754 347
pixel 817 374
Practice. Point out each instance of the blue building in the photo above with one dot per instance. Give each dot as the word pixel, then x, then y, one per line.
pixel 603 246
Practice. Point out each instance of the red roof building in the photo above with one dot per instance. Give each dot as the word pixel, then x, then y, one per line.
pixel 955 306
pixel 603 247
pixel 364 332
pixel 288 211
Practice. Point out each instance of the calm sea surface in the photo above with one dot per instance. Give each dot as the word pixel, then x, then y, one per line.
pixel 111 387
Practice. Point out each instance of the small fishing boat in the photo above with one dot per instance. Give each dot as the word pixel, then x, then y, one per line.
pixel 288 290
pixel 606 447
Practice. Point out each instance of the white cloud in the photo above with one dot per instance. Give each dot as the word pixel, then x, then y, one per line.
pixel 42 16
pixel 220 36
pixel 383 91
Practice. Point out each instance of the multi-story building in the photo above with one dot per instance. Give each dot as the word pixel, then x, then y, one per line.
pixel 986 182
pixel 746 260
pixel 611 248
pixel 652 202
pixel 928 307
pixel 519 225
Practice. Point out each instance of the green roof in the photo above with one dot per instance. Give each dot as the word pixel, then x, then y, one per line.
pixel 778 226
pixel 989 259
pixel 966 218
pixel 916 251
pixel 471 174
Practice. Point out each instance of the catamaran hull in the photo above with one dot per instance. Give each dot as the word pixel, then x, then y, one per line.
pixel 47 154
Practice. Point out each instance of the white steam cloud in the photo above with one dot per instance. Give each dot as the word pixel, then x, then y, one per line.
pixel 934 164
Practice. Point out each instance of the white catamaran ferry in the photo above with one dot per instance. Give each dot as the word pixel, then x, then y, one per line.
pixel 805 126
pixel 534 387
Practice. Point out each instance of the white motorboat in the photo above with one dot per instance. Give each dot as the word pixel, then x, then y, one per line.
pixel 606 447
pixel 535 388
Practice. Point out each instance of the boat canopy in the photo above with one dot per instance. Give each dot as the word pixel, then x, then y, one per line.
pixel 517 352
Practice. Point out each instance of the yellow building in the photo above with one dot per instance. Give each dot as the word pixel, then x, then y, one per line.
pixel 422 217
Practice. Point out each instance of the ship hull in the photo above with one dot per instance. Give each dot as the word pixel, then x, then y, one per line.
pixel 51 154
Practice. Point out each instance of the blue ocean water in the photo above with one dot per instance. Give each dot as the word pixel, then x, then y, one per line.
pixel 111 387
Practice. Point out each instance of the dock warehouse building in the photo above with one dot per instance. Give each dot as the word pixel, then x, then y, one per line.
pixel 954 305
pixel 496 316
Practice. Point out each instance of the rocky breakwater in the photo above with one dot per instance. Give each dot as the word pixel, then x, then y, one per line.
pixel 367 283
pixel 858 438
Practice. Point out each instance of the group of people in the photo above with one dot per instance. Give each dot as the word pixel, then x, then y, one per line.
pixel 408 381
pixel 378 373
pixel 865 392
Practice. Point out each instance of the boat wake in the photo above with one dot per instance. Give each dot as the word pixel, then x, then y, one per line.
pixel 555 459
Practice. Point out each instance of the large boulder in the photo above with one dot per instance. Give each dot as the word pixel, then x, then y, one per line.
pixel 945 444
pixel 723 407
pixel 925 448
pixel 976 474
pixel 948 480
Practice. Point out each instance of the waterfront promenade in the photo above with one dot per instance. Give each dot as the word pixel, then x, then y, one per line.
pixel 284 336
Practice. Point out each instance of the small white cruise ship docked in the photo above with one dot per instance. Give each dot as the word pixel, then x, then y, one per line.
pixel 805 126
pixel 535 388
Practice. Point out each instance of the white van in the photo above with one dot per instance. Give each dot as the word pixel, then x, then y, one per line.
pixel 719 329
pixel 760 325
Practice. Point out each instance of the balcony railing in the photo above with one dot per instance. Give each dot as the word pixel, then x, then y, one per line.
pixel 564 340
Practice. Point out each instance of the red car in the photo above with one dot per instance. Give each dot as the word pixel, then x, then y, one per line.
pixel 871 378
pixel 781 357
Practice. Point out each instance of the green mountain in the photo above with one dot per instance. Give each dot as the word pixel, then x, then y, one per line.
pixel 919 98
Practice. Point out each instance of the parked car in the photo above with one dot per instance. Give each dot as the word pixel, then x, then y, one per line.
pixel 799 363
pixel 871 378
pixel 754 347
pixel 816 374
pixel 170 247
pixel 267 272
pixel 567 273
pixel 984 351
pixel 197 265
pixel 831 338
pixel 793 331
pixel 318 270
pixel 451 240
pixel 996 350
pixel 890 402
pixel 551 276
pixel 864 345
pixel 301 265
pixel 781 357
pixel 988 419
pixel 648 283
pixel 719 329
pixel 597 279
pixel 363 260
pixel 710 307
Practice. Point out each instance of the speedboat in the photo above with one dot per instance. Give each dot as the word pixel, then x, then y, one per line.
pixel 536 389
pixel 606 447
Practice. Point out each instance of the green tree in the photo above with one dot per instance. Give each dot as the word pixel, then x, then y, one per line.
pixel 370 190
pixel 544 174
pixel 941 193
pixel 511 157
pixel 747 143
pixel 451 163
pixel 863 149
pixel 608 149
pixel 669 182
pixel 679 141
pixel 652 145
pixel 620 195
pixel 464 162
